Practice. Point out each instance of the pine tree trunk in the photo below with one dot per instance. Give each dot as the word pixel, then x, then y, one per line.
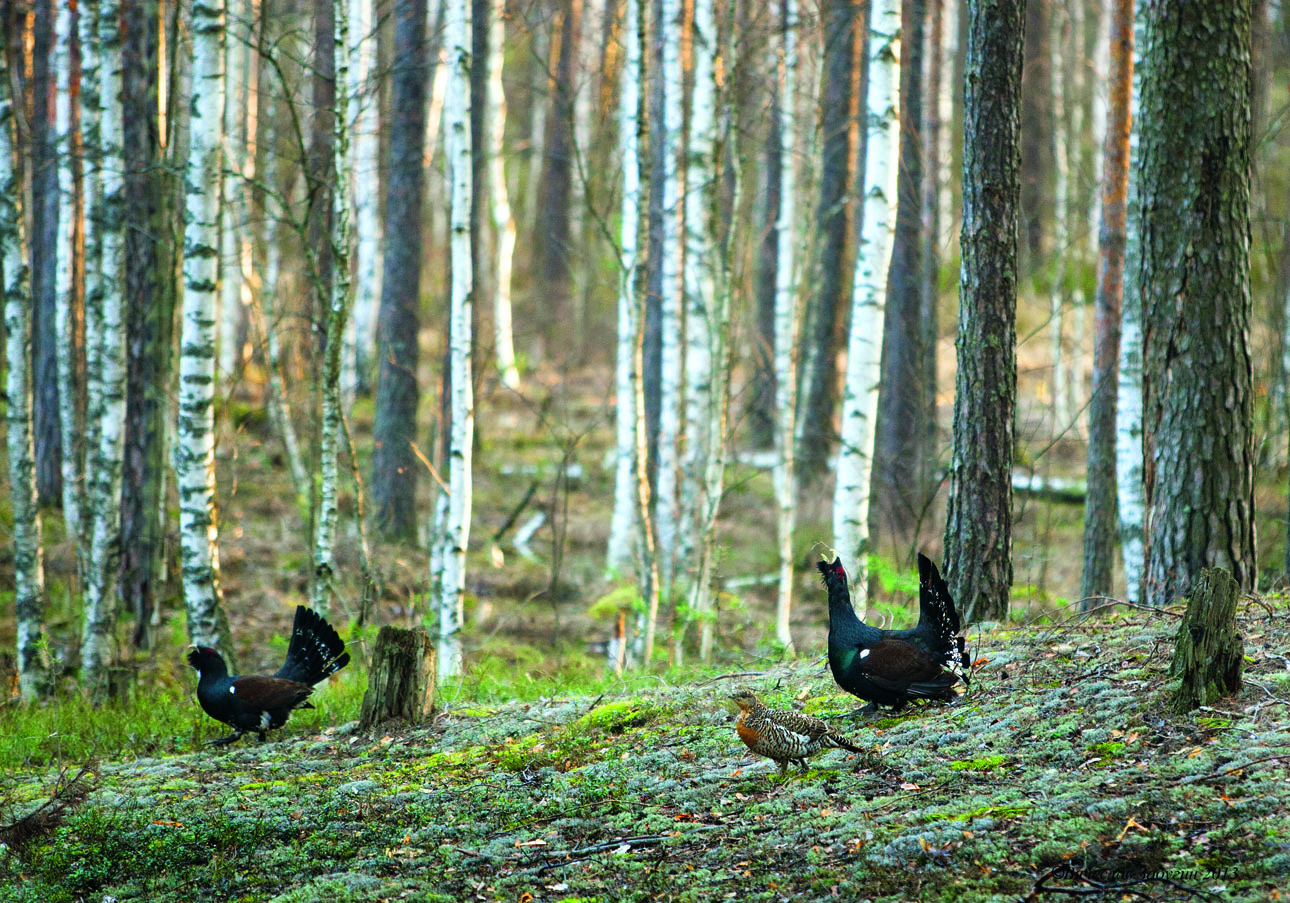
pixel 43 241
pixel 940 113
pixel 1038 147
pixel 978 528
pixel 394 464
pixel 1058 296
pixel 831 289
pixel 900 451
pixel 1208 653
pixel 1194 195
pixel 1100 501
pixel 195 440
pixel 28 557
pixel 453 538
pixel 869 295
pixel 400 678
pixel 149 320
pixel 630 118
pixel 787 321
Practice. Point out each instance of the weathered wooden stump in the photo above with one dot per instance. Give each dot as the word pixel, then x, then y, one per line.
pixel 400 679
pixel 1208 654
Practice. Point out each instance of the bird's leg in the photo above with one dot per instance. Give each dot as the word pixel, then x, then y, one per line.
pixel 867 709
pixel 263 736
pixel 783 767
pixel 224 741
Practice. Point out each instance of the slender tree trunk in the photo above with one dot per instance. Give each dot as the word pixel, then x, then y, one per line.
pixel 978 528
pixel 666 141
pixel 369 227
pixel 787 320
pixel 28 563
pixel 68 350
pixel 234 231
pixel 195 441
pixel 337 313
pixel 869 295
pixel 43 242
pixel 1130 491
pixel 762 400
pixel 900 451
pixel 935 198
pixel 1194 276
pixel 149 270
pixel 831 288
pixel 1058 296
pixel 394 465
pixel 623 523
pixel 503 218
pixel 1100 501
pixel 105 415
pixel 1038 147
pixel 456 524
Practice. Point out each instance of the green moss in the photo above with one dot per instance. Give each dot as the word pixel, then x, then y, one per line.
pixel 985 763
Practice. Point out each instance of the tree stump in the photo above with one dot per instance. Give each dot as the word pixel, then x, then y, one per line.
pixel 1208 654
pixel 400 679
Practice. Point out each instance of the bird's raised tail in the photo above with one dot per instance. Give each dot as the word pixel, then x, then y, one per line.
pixel 837 741
pixel 938 617
pixel 315 651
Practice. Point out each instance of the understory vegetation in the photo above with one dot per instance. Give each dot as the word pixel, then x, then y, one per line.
pixel 1061 770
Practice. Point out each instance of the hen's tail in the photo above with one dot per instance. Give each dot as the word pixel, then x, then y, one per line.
pixel 837 741
pixel 937 615
pixel 315 651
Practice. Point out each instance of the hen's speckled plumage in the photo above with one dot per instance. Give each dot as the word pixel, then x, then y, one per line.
pixel 782 735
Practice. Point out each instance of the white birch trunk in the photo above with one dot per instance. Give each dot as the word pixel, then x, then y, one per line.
pixel 105 414
pixel 195 439
pixel 233 226
pixel 787 325
pixel 706 328
pixel 28 556
pixel 64 289
pixel 338 313
pixel 1057 296
pixel 670 432
pixel 864 347
pixel 456 532
pixel 361 337
pixel 623 522
pixel 1130 491
pixel 503 219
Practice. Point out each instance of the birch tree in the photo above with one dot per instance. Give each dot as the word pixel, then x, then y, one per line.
pixel 453 530
pixel 195 440
pixel 105 405
pixel 630 116
pixel 503 219
pixel 64 287
pixel 706 283
pixel 28 565
pixel 1130 493
pixel 234 232
pixel 337 313
pixel 368 273
pixel 787 320
pixel 666 142
pixel 869 296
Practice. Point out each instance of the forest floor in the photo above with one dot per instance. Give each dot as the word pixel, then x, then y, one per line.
pixel 1060 774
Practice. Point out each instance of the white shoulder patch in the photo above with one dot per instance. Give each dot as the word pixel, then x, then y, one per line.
pixel 864 653
pixel 233 689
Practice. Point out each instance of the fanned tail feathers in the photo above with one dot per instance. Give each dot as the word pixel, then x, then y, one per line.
pixel 937 615
pixel 315 652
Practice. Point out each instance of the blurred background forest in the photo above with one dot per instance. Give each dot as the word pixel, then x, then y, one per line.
pixel 545 594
